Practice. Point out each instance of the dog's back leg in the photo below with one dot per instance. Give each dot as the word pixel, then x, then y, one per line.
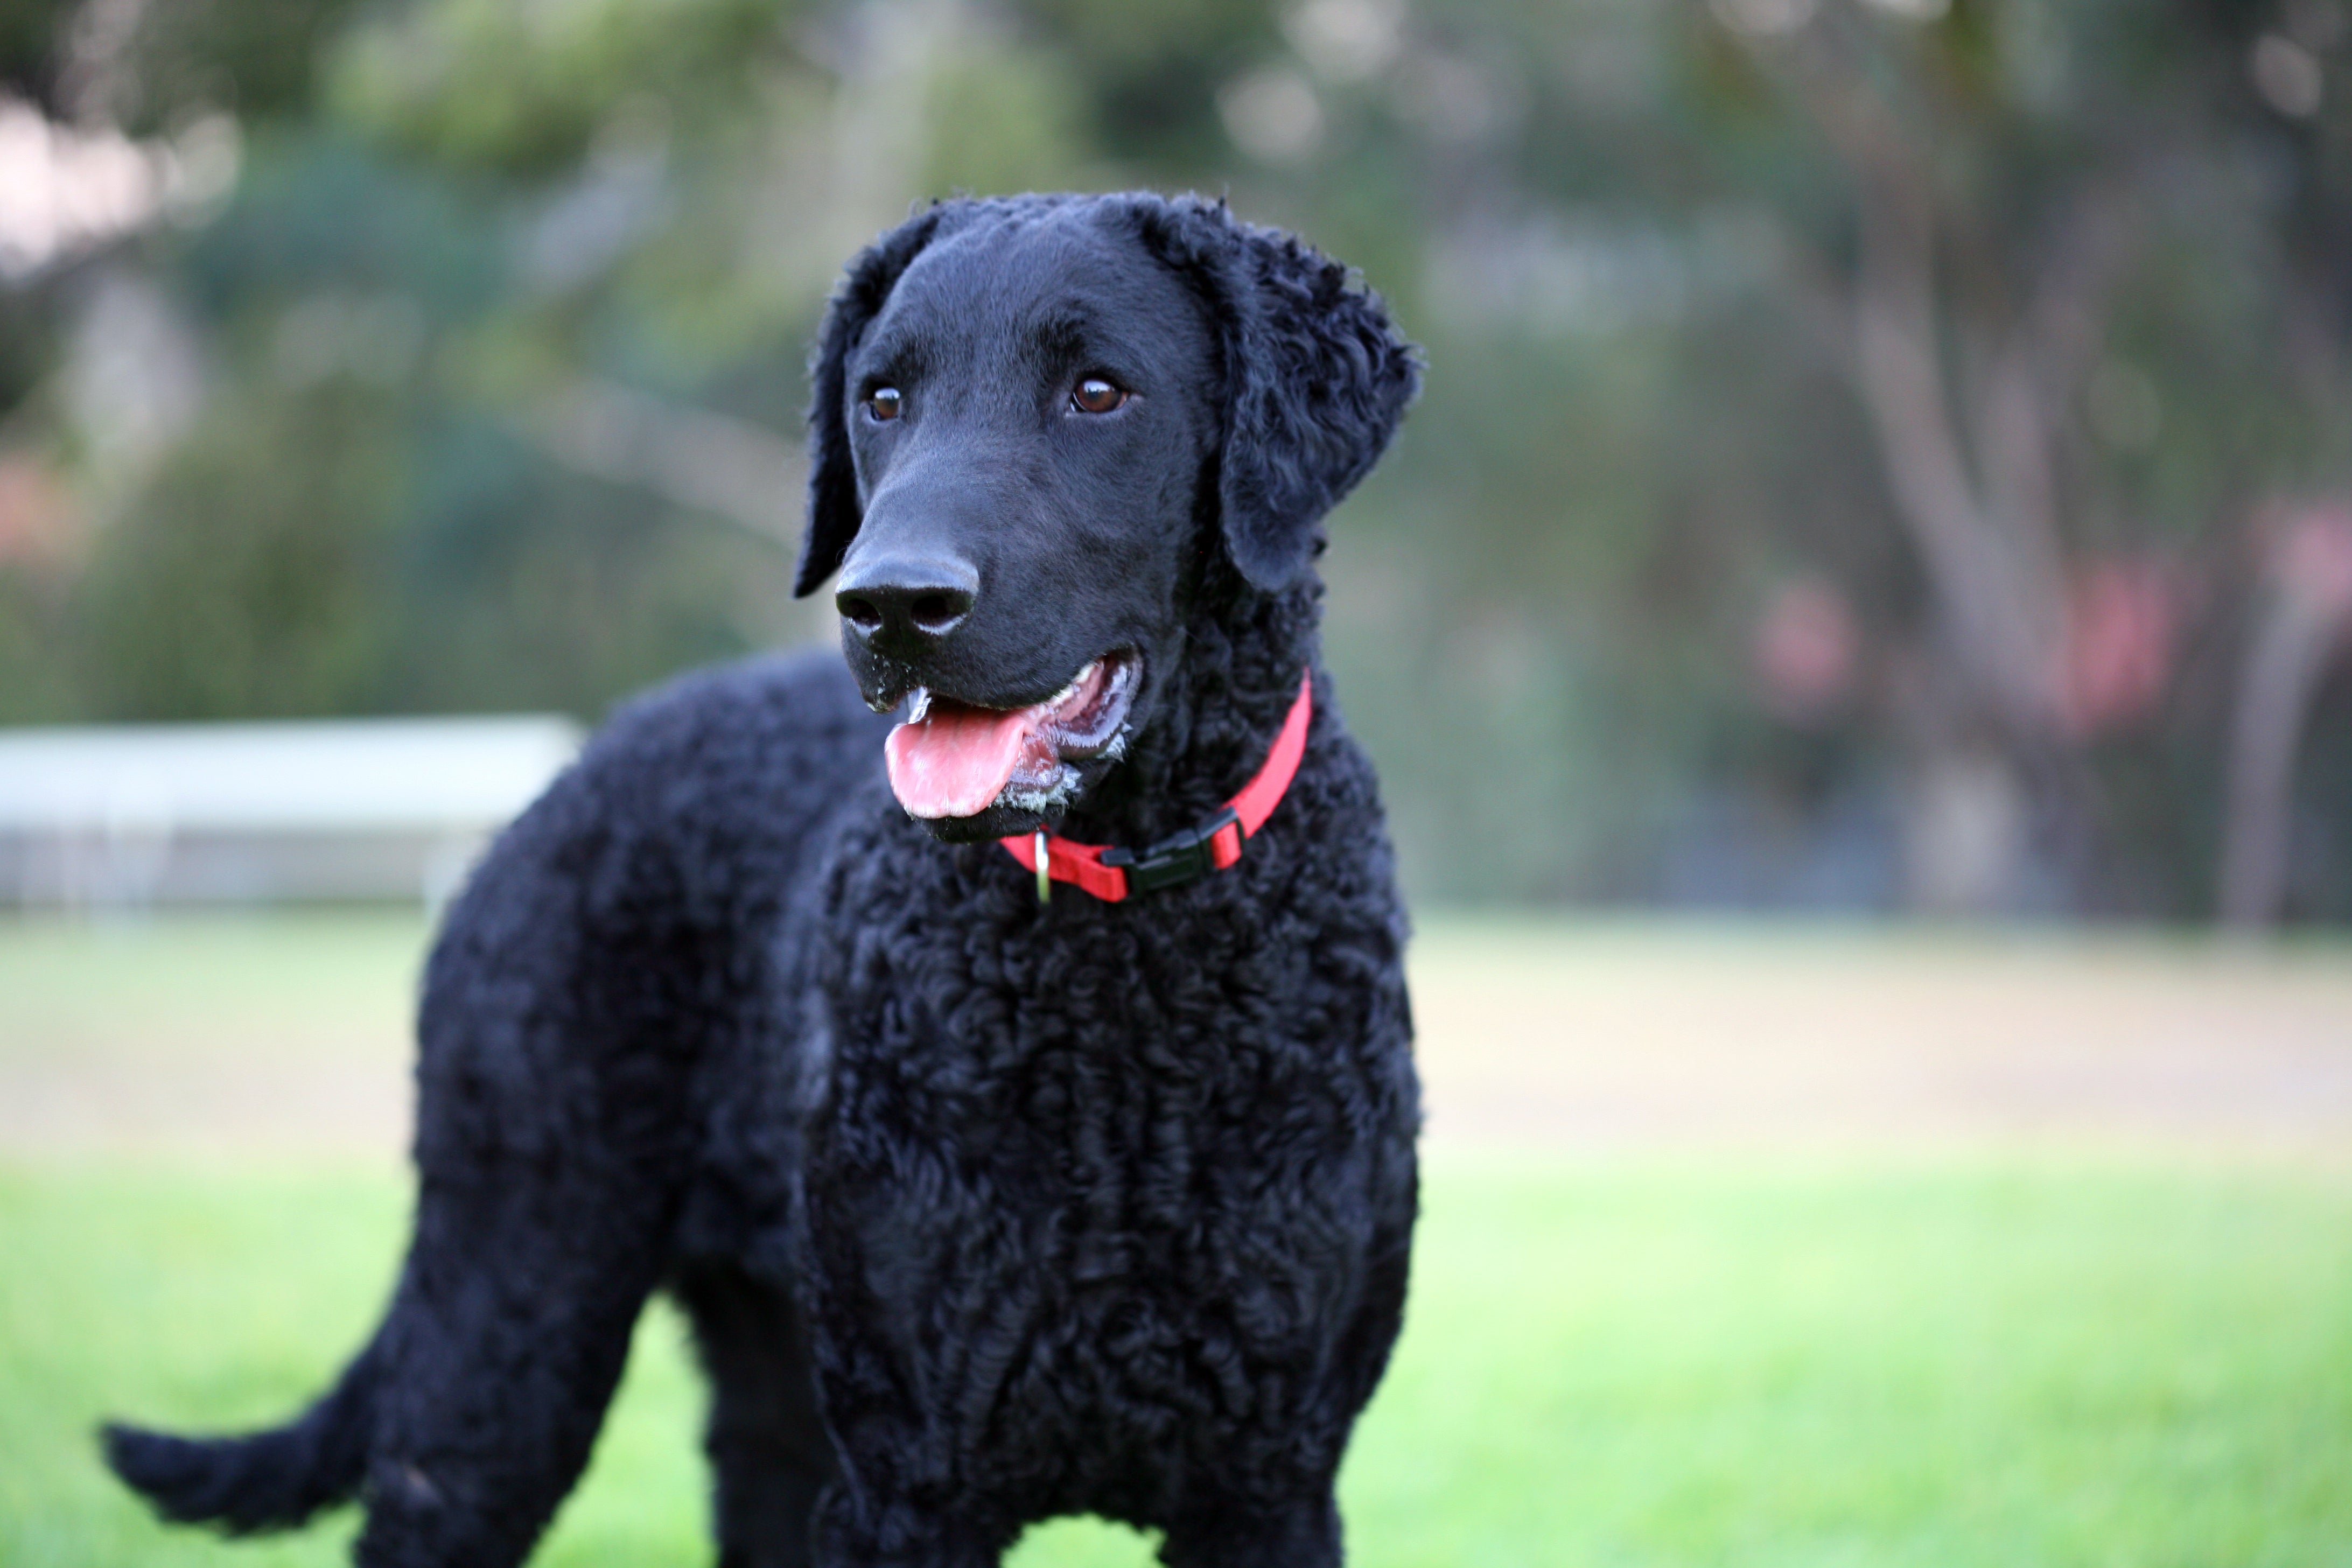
pixel 768 1451
pixel 552 1149
pixel 550 1163
pixel 506 1336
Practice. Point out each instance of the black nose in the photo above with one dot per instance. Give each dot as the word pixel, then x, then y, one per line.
pixel 903 604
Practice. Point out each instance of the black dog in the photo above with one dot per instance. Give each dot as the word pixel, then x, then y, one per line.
pixel 984 1208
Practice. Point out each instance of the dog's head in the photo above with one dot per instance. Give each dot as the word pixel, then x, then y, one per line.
pixel 1031 417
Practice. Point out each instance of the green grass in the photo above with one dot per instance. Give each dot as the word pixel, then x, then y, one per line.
pixel 192 984
pixel 1635 1362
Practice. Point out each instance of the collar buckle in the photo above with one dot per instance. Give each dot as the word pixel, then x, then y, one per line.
pixel 1182 857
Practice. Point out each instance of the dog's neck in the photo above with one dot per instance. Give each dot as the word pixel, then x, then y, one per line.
pixel 1216 718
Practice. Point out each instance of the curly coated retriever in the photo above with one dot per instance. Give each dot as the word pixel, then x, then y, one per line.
pixel 986 1205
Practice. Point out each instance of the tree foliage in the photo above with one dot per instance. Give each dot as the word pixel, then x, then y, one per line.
pixel 1877 451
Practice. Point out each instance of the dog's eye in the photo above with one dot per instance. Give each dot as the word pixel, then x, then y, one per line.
pixel 884 403
pixel 1096 395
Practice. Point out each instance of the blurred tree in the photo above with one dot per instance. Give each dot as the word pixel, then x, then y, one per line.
pixel 2033 204
pixel 1877 451
pixel 245 581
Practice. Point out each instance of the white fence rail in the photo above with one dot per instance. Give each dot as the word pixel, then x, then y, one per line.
pixel 372 808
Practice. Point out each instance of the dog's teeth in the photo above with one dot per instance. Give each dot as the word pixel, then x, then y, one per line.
pixel 918 703
pixel 1075 682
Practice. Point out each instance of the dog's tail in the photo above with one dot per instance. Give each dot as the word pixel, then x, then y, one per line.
pixel 262 1480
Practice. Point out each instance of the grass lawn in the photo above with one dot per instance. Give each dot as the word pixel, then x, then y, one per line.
pixel 1851 1250
pixel 1642 1360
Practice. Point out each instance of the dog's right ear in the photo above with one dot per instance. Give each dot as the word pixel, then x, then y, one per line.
pixel 833 511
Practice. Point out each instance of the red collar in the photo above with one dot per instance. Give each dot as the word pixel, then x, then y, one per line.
pixel 1112 874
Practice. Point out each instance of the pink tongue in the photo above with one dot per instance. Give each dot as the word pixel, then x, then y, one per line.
pixel 956 760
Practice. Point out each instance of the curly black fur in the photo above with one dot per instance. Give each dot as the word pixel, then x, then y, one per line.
pixel 983 1211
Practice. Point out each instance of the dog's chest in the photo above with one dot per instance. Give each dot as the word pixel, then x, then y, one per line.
pixel 1107 1189
pixel 1105 1121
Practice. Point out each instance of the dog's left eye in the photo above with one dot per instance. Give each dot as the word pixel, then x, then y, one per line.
pixel 1096 395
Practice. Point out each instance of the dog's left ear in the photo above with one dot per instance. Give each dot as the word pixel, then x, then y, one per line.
pixel 1316 379
pixel 832 510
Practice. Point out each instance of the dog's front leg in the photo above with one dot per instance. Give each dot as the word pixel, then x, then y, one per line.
pixel 1225 1532
pixel 864 1528
pixel 879 1318
pixel 898 1498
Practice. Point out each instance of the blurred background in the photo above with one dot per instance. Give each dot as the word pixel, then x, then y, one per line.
pixel 1879 455
pixel 1883 462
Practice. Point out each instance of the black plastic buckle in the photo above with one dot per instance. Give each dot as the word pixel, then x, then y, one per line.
pixel 1175 859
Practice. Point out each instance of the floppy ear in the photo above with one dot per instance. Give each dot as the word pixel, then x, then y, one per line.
pixel 1316 379
pixel 833 511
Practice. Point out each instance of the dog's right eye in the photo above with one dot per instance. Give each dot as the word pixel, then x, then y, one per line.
pixel 1096 395
pixel 884 403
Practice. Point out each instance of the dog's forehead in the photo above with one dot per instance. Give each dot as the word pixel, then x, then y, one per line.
pixel 1066 277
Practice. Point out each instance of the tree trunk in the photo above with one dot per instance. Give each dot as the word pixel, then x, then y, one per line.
pixel 2297 632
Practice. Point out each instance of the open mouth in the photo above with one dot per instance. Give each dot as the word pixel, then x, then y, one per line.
pixel 957 759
